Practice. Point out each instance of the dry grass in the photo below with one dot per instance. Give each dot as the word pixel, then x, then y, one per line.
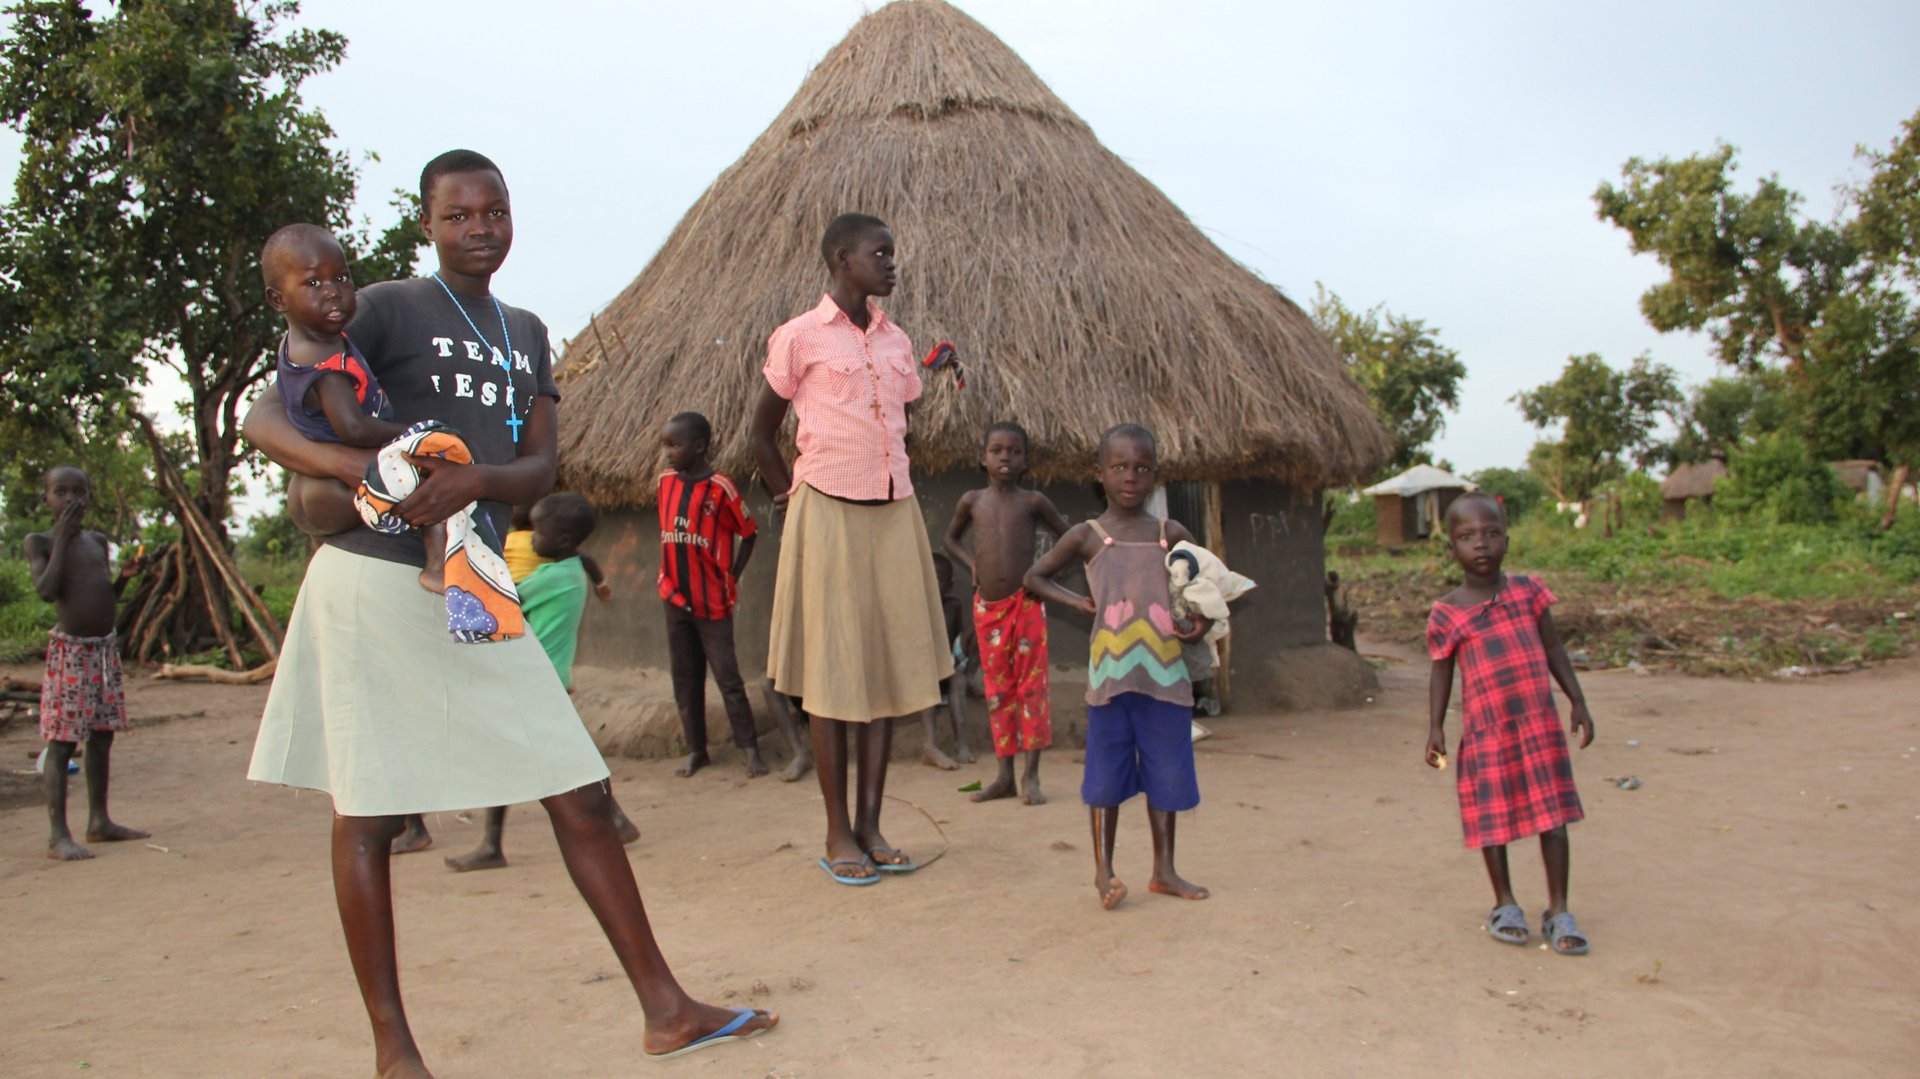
pixel 1079 295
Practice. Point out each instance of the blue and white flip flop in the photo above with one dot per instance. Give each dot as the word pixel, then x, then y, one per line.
pixel 907 866
pixel 728 1033
pixel 828 868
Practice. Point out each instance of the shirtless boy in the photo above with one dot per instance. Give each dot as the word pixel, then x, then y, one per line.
pixel 1009 622
pixel 80 696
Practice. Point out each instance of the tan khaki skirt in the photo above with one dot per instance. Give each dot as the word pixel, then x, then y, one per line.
pixel 377 705
pixel 857 631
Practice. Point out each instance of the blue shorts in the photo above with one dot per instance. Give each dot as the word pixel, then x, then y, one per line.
pixel 1139 745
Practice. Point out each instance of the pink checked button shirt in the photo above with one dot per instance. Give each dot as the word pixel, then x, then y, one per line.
pixel 850 390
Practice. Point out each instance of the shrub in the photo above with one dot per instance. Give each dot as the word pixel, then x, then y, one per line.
pixel 1517 488
pixel 1777 479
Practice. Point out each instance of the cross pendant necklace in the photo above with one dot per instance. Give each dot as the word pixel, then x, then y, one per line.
pixel 514 421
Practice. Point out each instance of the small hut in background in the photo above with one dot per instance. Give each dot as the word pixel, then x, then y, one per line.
pixel 1409 507
pixel 1689 482
pixel 1078 295
pixel 1862 478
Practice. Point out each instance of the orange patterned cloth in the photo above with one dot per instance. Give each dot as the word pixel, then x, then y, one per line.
pixel 1013 662
pixel 482 604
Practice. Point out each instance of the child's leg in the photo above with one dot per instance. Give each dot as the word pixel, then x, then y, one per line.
pixel 1030 792
pixel 1002 785
pixel 321 507
pixel 623 827
pixel 100 827
pixel 1106 825
pixel 363 889
pixel 598 865
pixel 783 714
pixel 60 844
pixel 488 855
pixel 434 577
pixel 876 747
pixel 830 762
pixel 1165 880
pixel 956 702
pixel 1555 853
pixel 716 640
pixel 688 663
pixel 930 753
pixel 413 836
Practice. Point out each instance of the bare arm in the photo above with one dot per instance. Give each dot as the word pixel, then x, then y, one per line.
pixel 768 414
pixel 595 576
pixel 1439 692
pixel 46 560
pixel 962 520
pixel 1561 665
pixel 448 487
pixel 1043 508
pixel 269 431
pixel 335 392
pixel 1039 580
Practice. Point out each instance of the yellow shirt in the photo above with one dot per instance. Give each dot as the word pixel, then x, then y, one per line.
pixel 521 559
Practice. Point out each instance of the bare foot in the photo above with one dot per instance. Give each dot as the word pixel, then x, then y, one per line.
pixel 481 857
pixel 755 766
pixel 1176 886
pixel 875 846
pixel 627 830
pixel 433 580
pixel 114 833
pixel 933 757
pixel 801 766
pixel 1112 894
pixel 697 1021
pixel 1031 793
pixel 416 838
pixel 963 753
pixel 693 763
pixel 66 850
pixel 1001 787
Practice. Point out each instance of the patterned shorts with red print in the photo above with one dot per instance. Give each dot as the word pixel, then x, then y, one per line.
pixel 81 691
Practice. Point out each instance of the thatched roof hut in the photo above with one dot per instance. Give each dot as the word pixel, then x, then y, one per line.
pixel 1079 295
pixel 1689 482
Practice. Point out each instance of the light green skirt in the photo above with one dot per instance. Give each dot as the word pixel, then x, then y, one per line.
pixel 375 704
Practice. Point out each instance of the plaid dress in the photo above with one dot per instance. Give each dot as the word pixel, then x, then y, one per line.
pixel 1515 776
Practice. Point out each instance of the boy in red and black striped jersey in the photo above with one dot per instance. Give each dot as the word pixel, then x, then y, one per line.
pixel 701 518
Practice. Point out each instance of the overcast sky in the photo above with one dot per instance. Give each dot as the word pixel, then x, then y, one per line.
pixel 1438 158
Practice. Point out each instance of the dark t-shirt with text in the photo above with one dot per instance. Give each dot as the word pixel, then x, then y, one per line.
pixel 435 367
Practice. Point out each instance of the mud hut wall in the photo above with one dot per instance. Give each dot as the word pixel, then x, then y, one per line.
pixel 1394 520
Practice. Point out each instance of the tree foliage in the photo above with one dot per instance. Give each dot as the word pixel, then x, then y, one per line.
pixel 163 143
pixel 1606 417
pixel 1412 379
pixel 1722 413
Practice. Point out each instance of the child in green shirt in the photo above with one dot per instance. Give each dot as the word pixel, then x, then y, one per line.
pixel 552 597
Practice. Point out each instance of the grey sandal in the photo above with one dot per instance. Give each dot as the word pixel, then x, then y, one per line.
pixel 1507 920
pixel 1559 927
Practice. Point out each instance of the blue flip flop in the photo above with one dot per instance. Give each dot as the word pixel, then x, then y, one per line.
pixel 828 867
pixel 1561 927
pixel 907 866
pixel 728 1033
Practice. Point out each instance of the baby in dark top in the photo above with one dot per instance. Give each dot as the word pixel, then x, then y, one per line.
pixel 328 388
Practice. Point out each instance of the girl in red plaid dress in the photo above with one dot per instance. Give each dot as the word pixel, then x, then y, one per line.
pixel 1515 776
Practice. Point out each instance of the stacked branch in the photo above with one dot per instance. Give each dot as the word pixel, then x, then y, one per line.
pixel 191 588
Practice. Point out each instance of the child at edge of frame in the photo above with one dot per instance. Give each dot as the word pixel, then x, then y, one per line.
pixel 81 695
pixel 1139 697
pixel 1515 777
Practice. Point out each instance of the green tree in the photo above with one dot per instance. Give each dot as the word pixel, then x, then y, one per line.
pixel 1518 489
pixel 1829 306
pixel 1411 378
pixel 1721 413
pixel 1606 418
pixel 163 143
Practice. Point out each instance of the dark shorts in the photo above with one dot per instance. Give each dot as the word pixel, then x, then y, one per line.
pixel 1139 745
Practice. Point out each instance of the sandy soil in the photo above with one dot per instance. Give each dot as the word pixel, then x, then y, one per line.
pixel 1754 908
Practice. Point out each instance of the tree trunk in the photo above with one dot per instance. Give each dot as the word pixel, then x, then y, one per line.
pixel 1894 486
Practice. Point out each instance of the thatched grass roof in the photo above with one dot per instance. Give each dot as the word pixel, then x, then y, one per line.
pixel 1695 480
pixel 1078 295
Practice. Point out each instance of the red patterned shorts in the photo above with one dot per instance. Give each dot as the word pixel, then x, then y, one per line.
pixel 1013 664
pixel 81 691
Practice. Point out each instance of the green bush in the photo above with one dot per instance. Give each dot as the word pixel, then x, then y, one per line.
pixel 1776 478
pixel 24 617
pixel 1518 489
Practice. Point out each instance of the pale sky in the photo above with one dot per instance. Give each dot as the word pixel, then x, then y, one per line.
pixel 1439 158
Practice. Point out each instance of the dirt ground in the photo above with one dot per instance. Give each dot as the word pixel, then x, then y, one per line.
pixel 1754 908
